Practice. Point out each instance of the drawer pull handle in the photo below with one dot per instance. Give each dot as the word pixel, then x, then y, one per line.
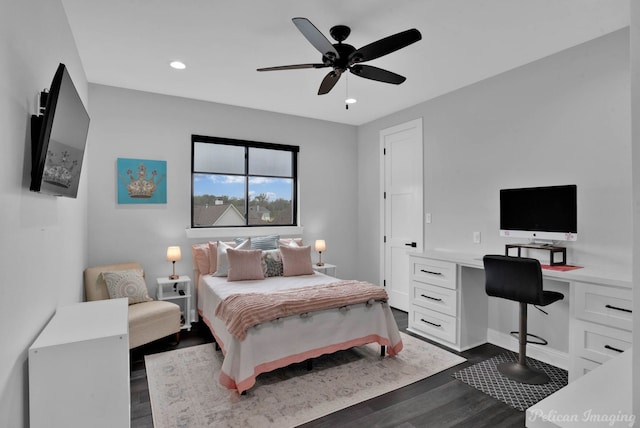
pixel 613 349
pixel 431 272
pixel 429 322
pixel 432 298
pixel 618 309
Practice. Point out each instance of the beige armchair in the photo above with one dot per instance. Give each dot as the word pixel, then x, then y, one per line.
pixel 148 321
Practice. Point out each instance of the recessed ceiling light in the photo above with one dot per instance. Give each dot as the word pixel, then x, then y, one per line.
pixel 350 101
pixel 178 65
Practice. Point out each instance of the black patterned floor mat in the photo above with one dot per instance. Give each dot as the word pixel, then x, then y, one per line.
pixel 484 376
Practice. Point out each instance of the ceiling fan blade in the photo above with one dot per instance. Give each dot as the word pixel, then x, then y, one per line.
pixel 375 73
pixel 292 67
pixel 385 46
pixel 316 38
pixel 329 81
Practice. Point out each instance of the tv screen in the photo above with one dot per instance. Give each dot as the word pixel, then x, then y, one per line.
pixel 545 213
pixel 59 137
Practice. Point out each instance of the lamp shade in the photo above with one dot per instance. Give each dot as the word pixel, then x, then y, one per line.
pixel 173 254
pixel 320 245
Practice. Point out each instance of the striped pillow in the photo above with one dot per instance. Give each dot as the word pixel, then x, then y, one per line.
pixel 268 242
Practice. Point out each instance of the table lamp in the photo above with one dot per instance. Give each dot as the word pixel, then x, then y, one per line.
pixel 173 255
pixel 320 247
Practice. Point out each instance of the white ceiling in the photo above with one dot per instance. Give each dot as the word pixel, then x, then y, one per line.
pixel 129 43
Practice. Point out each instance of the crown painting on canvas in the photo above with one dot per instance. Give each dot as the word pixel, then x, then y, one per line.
pixel 142 181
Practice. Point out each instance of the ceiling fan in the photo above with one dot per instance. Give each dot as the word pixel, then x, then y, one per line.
pixel 342 57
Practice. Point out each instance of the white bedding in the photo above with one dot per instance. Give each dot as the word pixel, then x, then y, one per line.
pixel 292 339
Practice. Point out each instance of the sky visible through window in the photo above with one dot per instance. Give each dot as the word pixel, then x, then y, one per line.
pixel 233 186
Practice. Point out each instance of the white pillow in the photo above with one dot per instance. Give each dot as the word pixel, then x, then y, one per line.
pixel 127 283
pixel 223 261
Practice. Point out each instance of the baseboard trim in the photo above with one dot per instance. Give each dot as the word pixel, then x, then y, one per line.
pixel 539 352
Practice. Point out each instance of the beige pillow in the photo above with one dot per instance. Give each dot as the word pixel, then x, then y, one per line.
pixel 127 283
pixel 244 265
pixel 222 265
pixel 296 260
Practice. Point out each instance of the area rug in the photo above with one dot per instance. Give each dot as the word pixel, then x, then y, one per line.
pixel 484 376
pixel 185 392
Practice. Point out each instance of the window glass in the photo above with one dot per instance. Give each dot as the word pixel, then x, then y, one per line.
pixel 269 162
pixel 243 183
pixel 270 201
pixel 218 158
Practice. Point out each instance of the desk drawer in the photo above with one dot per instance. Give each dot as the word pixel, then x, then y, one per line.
pixel 434 272
pixel 602 304
pixel 444 300
pixel 434 323
pixel 599 343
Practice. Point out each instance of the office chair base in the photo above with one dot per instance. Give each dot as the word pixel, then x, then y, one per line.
pixel 523 374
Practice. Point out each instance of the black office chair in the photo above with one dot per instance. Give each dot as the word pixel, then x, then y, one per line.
pixel 519 279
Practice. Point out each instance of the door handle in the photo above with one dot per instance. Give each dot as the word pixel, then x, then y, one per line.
pixel 411 244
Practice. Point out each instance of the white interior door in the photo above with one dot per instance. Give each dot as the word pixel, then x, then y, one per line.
pixel 402 165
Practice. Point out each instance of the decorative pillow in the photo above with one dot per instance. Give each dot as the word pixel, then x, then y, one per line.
pixel 127 283
pixel 291 242
pixel 213 256
pixel 269 242
pixel 222 265
pixel 244 265
pixel 200 254
pixel 296 260
pixel 272 263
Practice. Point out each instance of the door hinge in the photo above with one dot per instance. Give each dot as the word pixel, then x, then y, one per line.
pixel 384 151
pixel 384 282
pixel 384 195
pixel 384 239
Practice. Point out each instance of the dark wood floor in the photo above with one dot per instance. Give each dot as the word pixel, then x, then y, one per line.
pixel 437 401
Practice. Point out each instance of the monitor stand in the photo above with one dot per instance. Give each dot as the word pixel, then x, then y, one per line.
pixel 553 251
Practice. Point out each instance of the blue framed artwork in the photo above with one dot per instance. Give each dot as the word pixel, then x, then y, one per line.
pixel 142 181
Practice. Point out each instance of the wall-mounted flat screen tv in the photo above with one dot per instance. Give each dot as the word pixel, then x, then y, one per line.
pixel 58 138
pixel 540 213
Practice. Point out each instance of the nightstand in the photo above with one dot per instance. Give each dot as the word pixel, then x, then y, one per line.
pixel 177 291
pixel 327 269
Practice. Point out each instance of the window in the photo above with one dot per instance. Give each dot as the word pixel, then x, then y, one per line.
pixel 242 183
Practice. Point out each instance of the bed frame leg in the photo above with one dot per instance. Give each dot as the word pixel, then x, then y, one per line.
pixel 309 365
pixel 382 349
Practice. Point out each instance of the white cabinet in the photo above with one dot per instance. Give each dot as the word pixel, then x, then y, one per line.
pixel 444 308
pixel 79 368
pixel 600 326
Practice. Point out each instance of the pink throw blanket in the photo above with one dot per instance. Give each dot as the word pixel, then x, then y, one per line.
pixel 244 310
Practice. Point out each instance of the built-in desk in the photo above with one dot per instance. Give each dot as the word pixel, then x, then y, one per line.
pixel 448 304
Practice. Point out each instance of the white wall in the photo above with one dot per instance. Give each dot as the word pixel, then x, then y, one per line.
pixel 43 243
pixel 141 125
pixel 635 133
pixel 564 119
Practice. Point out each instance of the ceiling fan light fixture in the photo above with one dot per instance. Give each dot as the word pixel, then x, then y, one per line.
pixel 350 101
pixel 178 65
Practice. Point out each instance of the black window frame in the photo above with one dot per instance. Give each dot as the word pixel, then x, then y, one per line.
pixel 248 144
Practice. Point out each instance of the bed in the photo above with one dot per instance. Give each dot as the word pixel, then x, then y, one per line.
pixel 293 338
